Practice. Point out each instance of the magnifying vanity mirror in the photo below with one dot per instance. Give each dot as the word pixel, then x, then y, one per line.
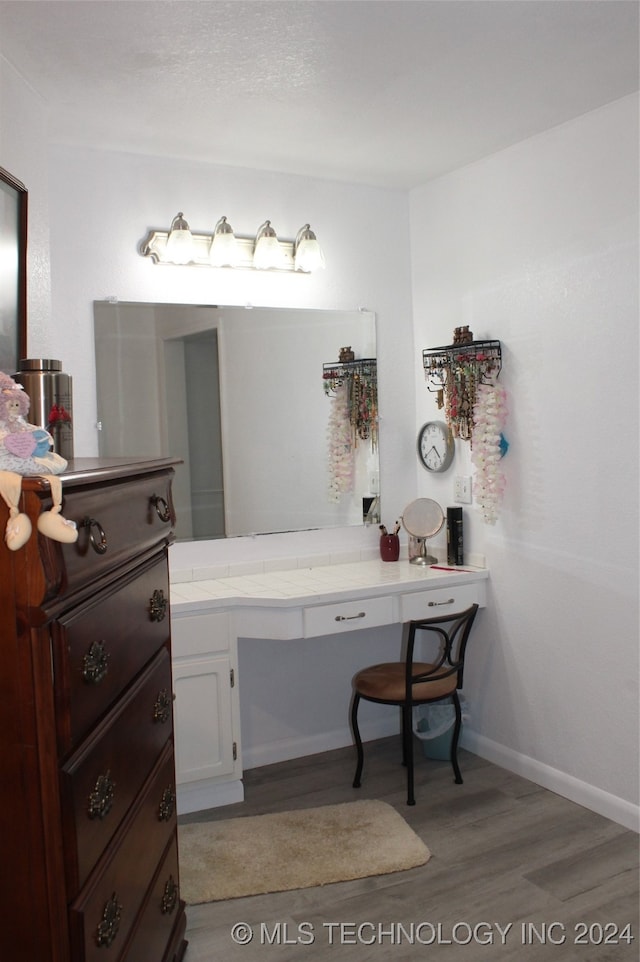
pixel 236 393
pixel 422 519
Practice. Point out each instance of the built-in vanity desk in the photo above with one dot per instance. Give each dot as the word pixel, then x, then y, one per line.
pixel 209 615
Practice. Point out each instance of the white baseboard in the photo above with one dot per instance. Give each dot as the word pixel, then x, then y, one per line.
pixel 197 796
pixel 610 806
pixel 298 747
pixel 208 793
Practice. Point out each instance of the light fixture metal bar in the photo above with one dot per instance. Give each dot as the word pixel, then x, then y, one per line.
pixel 155 244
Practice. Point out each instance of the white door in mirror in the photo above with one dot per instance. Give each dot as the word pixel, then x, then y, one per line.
pixel 436 446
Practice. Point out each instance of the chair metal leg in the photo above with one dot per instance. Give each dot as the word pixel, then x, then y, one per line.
pixel 407 751
pixel 358 740
pixel 454 740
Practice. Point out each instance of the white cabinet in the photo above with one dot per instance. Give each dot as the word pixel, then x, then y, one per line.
pixel 324 603
pixel 206 711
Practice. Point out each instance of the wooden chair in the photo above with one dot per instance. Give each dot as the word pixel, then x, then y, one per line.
pixel 409 683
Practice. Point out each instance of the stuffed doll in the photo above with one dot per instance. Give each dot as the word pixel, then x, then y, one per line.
pixel 24 447
pixel 27 450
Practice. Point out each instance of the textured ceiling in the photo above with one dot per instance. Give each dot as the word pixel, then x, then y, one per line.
pixel 382 92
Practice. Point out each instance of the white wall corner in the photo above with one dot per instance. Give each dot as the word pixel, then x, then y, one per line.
pixel 610 806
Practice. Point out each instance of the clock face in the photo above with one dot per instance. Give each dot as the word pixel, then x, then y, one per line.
pixel 435 446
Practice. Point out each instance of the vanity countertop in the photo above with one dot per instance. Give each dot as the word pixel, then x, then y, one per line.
pixel 317 585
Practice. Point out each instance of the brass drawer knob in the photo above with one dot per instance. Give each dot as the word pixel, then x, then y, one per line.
pixel 158 605
pixel 101 798
pixel 167 804
pixel 162 707
pixel 169 897
pixel 95 663
pixel 110 923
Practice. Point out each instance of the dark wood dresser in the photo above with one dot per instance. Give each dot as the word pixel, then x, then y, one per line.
pixel 88 838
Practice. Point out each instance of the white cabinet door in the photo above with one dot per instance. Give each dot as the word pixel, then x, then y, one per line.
pixel 204 735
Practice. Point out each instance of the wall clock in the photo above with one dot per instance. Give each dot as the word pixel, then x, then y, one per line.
pixel 435 446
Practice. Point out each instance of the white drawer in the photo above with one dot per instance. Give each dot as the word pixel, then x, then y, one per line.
pixel 347 616
pixel 200 633
pixel 440 601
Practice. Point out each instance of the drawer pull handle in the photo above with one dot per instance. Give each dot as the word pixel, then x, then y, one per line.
pixel 170 897
pixel 162 707
pixel 100 546
pixel 95 663
pixel 108 927
pixel 435 604
pixel 101 798
pixel 158 605
pixel 167 805
pixel 162 508
pixel 361 614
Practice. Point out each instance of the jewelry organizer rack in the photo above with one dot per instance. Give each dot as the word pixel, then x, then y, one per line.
pixel 336 373
pixel 360 378
pixel 454 371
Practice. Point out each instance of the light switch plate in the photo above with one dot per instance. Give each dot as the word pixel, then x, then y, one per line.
pixel 462 490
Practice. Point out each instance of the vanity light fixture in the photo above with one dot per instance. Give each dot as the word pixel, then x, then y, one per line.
pixel 307 253
pixel 179 249
pixel 224 248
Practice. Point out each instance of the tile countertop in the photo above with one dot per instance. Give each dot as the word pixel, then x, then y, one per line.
pixel 320 584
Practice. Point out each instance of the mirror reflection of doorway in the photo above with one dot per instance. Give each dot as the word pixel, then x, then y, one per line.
pixel 160 397
pixel 193 361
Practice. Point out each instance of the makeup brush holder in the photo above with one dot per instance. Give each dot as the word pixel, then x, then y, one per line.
pixel 389 547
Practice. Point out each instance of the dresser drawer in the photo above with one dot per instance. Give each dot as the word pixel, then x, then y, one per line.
pixel 105 912
pixel 441 601
pixel 116 521
pixel 347 616
pixel 160 915
pixel 101 646
pixel 101 780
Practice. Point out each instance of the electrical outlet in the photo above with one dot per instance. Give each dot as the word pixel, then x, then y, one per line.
pixel 462 490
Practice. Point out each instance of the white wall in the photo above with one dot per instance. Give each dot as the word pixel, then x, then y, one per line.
pixel 537 246
pixel 113 199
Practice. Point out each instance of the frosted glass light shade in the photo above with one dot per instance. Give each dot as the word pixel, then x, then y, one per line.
pixel 267 252
pixel 308 253
pixel 179 242
pixel 224 248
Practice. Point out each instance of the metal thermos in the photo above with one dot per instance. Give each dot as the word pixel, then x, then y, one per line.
pixel 50 393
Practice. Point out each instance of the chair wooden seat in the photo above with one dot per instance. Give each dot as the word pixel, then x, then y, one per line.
pixel 387 683
pixel 409 683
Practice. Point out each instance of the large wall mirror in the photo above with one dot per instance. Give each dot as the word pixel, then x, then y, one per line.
pixel 238 394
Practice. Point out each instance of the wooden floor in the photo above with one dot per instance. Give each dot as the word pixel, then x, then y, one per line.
pixel 505 852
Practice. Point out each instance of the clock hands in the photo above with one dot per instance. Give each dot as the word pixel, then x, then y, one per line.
pixel 433 455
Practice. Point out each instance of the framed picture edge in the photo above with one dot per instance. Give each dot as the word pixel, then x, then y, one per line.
pixel 21 274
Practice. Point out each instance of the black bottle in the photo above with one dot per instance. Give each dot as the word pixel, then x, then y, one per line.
pixel 455 549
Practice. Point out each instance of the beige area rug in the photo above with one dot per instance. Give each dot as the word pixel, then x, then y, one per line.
pixel 291 850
